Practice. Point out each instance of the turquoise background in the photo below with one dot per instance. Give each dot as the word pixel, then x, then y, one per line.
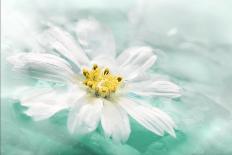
pixel 193 41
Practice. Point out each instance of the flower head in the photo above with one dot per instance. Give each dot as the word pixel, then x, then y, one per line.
pixel 101 83
pixel 98 82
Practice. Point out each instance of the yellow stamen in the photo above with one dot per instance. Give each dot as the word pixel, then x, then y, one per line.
pixel 106 71
pixel 85 72
pixel 102 83
pixel 119 79
pixel 95 66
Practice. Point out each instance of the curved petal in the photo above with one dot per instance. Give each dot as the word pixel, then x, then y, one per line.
pixel 155 88
pixel 44 102
pixel 66 46
pixel 150 117
pixel 115 122
pixel 85 115
pixel 96 39
pixel 135 61
pixel 41 65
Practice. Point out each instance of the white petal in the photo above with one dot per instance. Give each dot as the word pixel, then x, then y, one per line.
pixel 150 117
pixel 96 39
pixel 40 65
pixel 42 103
pixel 85 115
pixel 66 46
pixel 135 61
pixel 115 122
pixel 41 111
pixel 155 88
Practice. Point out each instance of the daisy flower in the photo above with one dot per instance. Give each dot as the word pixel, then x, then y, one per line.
pixel 100 83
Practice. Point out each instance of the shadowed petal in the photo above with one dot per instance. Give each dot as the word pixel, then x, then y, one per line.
pixel 85 115
pixel 115 122
pixel 150 117
pixel 41 65
pixel 135 61
pixel 45 102
pixel 66 46
pixel 155 88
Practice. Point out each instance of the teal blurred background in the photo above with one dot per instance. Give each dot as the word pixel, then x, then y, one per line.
pixel 193 41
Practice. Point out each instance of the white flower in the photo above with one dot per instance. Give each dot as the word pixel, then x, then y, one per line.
pixel 98 83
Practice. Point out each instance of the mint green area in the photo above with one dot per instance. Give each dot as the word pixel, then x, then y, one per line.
pixel 193 42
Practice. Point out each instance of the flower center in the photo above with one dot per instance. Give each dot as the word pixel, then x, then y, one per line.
pixel 101 81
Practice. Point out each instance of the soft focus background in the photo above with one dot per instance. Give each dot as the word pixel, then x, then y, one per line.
pixel 193 41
